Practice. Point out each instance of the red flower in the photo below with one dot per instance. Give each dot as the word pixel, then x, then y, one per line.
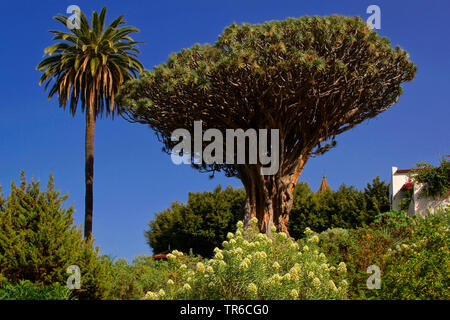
pixel 408 185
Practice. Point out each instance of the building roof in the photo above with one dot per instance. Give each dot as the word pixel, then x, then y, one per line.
pixel 402 170
pixel 407 170
pixel 162 255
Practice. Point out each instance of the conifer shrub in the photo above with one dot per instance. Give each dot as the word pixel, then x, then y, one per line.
pixel 39 240
pixel 253 266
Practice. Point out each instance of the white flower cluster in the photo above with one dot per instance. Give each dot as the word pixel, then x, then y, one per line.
pixel 314 239
pixel 342 268
pixel 200 267
pixel 273 266
pixel 260 255
pixel 244 264
pixel 151 296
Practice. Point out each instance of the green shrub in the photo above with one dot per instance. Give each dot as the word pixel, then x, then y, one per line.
pixel 253 266
pixel 334 243
pixel 419 267
pixel 436 180
pixel 412 254
pixel 38 241
pixel 395 224
pixel 201 224
pixel 345 208
pixel 26 290
pixel 358 248
pixel 131 282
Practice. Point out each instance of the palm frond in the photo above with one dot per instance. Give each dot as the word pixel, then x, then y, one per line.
pixel 90 63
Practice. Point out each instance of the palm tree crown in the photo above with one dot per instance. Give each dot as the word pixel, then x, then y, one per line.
pixel 91 64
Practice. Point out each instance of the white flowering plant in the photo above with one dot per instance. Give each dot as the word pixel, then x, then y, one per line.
pixel 252 265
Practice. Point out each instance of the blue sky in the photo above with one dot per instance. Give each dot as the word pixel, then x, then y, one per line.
pixel 133 178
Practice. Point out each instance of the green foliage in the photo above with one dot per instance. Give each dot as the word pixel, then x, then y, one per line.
pixel 26 290
pixel 436 180
pixel 38 241
pixel 358 248
pixel 201 224
pixel 419 267
pixel 131 282
pixel 376 195
pixel 395 224
pixel 87 56
pixel 334 243
pixel 255 71
pixel 253 266
pixel 344 208
pixel 412 253
pixel 405 201
pixel 274 75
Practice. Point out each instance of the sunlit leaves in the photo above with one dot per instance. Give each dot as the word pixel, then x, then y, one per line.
pixel 313 77
pixel 91 64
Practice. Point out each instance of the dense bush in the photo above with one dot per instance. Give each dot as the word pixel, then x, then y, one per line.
pixel 131 282
pixel 26 290
pixel 436 180
pixel 345 208
pixel 201 224
pixel 412 253
pixel 38 241
pixel 358 248
pixel 253 266
pixel 419 267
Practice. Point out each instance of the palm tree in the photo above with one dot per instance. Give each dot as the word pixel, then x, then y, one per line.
pixel 90 65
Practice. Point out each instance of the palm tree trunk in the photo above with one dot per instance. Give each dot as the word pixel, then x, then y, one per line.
pixel 89 170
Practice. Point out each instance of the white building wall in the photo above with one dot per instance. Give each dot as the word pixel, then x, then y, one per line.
pixel 397 182
pixel 418 204
pixel 427 204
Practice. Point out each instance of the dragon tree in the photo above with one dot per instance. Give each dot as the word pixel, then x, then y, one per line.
pixel 311 78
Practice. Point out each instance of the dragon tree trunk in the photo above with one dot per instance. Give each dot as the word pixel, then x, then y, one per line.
pixel 270 198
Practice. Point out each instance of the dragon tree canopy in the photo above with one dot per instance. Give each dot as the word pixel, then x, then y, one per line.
pixel 311 78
